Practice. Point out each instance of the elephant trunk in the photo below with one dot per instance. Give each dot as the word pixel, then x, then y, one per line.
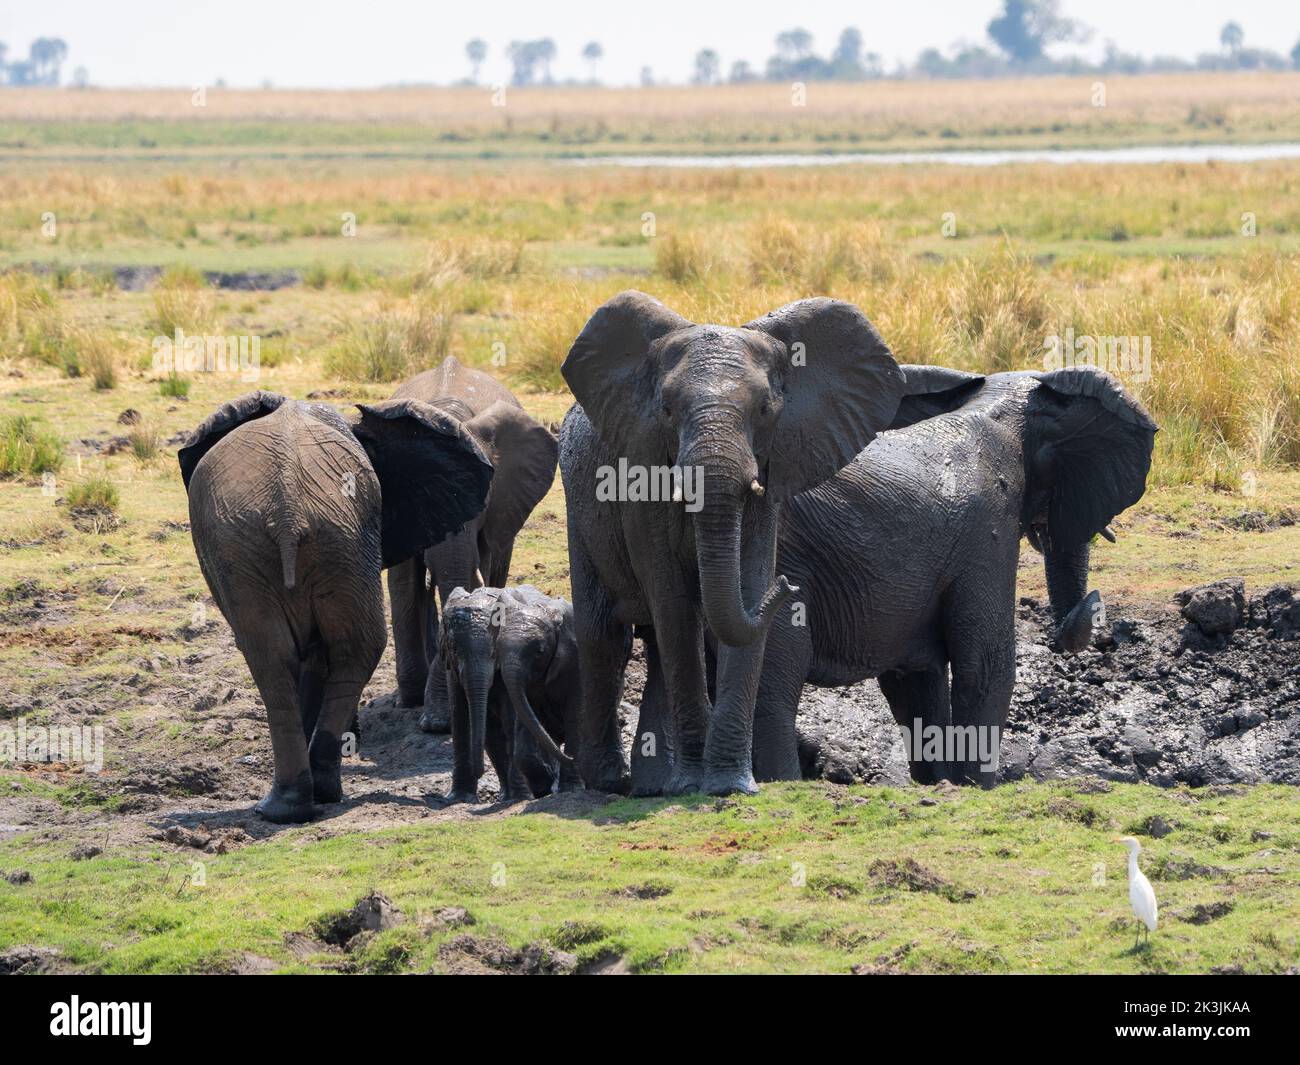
pixel 1074 609
pixel 718 547
pixel 514 672
pixel 476 679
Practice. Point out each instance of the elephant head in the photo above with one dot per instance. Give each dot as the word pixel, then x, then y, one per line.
pixel 467 641
pixel 524 454
pixel 766 410
pixel 536 644
pixel 1087 448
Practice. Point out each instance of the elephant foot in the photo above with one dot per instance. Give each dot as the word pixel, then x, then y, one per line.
pixel 730 781
pixel 686 777
pixel 289 804
pixel 460 796
pixel 607 773
pixel 434 723
pixel 650 776
pixel 326 772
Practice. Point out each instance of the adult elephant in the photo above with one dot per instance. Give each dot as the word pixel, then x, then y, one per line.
pixel 523 454
pixel 748 417
pixel 294 511
pixel 907 558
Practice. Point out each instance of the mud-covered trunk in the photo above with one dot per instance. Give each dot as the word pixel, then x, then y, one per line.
pixel 718 551
pixel 514 674
pixel 1073 608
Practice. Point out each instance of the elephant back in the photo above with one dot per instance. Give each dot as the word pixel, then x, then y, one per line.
pixel 454 382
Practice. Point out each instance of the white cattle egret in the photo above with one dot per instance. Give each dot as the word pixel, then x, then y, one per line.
pixel 1140 895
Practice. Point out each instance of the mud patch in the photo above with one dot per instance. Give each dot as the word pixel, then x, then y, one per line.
pixel 474 955
pixel 1156 699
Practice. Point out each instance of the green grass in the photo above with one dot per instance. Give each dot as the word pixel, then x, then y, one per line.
pixel 802 878
pixel 26 448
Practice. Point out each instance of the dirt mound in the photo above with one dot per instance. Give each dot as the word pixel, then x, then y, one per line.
pixel 478 955
pixel 1208 695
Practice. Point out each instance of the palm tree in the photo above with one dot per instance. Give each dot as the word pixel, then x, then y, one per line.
pixel 476 50
pixel 1295 56
pixel 58 52
pixel 38 55
pixel 593 54
pixel 546 53
pixel 4 52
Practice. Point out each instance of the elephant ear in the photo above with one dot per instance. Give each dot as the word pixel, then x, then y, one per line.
pixel 1088 452
pixel 225 419
pixel 931 391
pixel 610 372
pixel 566 644
pixel 433 477
pixel 524 455
pixel 842 386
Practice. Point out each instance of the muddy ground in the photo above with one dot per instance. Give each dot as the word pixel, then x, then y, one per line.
pixel 1158 699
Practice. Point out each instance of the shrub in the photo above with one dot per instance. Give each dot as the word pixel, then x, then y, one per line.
pixel 145 438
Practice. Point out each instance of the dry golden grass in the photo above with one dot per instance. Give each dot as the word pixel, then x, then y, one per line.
pixel 1159 98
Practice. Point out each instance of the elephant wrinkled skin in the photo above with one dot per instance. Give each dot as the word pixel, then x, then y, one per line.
pixel 294 511
pixel 762 412
pixel 907 557
pixel 512 662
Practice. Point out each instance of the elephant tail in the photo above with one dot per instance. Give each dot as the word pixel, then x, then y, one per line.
pixel 289 557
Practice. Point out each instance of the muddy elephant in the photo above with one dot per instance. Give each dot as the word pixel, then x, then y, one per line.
pixel 294 511
pixel 512 662
pixel 524 455
pixel 685 441
pixel 907 558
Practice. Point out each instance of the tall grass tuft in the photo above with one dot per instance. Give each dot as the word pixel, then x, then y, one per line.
pixel 395 338
pixel 26 448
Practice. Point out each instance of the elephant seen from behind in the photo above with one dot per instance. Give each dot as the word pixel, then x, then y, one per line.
pixel 294 512
pixel 523 453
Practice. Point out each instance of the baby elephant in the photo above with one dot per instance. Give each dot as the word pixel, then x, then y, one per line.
pixel 294 512
pixel 512 662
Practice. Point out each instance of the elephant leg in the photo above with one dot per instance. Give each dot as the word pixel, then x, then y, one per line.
pixel 276 674
pixel 407 593
pixel 436 716
pixel 311 688
pixel 983 655
pixel 449 571
pixel 537 771
pixel 919 701
pixel 604 645
pixel 729 750
pixel 355 643
pixel 785 667
pixel 679 643
pixel 464 779
pixel 652 746
pixel 500 750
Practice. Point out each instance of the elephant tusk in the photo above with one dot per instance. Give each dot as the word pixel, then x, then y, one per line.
pixel 1108 533
pixel 756 488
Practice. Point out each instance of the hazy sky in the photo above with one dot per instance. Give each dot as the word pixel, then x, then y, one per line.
pixel 349 43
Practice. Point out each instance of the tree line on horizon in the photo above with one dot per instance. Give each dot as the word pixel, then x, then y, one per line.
pixel 1018 39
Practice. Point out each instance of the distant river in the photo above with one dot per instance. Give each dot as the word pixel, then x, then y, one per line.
pixel 1171 153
